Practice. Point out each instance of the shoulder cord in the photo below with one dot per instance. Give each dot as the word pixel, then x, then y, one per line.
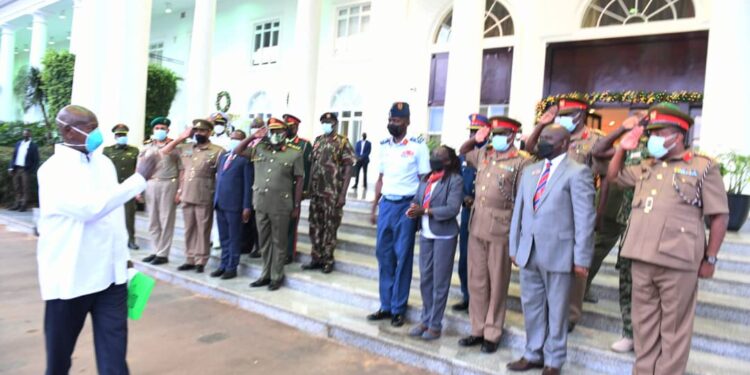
pixel 697 200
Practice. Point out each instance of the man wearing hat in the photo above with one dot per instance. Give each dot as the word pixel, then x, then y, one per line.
pixel 276 198
pixel 675 188
pixel 476 122
pixel 498 165
pixel 332 161
pixel 200 160
pixel 403 163
pixel 161 192
pixel 222 129
pixel 297 142
pixel 125 158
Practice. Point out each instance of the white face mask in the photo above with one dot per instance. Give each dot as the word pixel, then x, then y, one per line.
pixel 566 122
pixel 219 129
pixel 327 128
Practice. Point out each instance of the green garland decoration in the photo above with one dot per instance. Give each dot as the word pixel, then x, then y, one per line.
pixel 630 97
pixel 221 95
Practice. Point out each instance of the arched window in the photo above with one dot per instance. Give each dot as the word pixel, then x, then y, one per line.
pixel 347 103
pixel 625 12
pixel 259 106
pixel 497 22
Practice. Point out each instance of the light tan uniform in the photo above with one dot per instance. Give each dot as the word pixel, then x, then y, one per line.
pixel 666 240
pixel 198 186
pixel 489 262
pixel 580 151
pixel 160 194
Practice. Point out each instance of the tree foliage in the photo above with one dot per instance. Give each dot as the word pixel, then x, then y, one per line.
pixel 29 89
pixel 57 78
pixel 162 88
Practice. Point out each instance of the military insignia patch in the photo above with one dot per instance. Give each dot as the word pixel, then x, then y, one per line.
pixel 686 172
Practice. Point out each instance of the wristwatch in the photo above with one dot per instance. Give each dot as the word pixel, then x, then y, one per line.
pixel 710 259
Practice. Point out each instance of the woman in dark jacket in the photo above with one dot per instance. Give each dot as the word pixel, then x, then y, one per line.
pixel 436 206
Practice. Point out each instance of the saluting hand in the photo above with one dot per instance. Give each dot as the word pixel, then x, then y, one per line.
pixel 260 133
pixel 633 120
pixel 549 115
pixel 481 135
pixel 187 133
pixel 630 141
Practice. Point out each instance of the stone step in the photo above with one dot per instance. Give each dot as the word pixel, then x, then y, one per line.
pixel 587 346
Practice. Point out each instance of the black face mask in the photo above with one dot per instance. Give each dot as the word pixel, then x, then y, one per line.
pixel 201 139
pixel 544 149
pixel 436 165
pixel 396 131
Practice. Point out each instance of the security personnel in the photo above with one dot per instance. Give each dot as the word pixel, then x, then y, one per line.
pixel 161 192
pixel 499 165
pixel 675 189
pixel 200 160
pixel 304 146
pixel 476 122
pixel 276 198
pixel 331 171
pixel 125 158
pixel 403 163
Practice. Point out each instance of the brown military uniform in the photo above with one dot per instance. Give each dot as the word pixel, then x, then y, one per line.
pixel 666 241
pixel 197 195
pixel 161 190
pixel 489 260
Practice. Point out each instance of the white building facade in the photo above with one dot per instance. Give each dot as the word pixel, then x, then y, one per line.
pixel 446 58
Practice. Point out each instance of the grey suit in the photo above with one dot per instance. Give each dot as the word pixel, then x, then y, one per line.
pixel 436 255
pixel 546 244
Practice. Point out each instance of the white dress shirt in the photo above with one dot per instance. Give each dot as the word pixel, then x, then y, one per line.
pixel 82 247
pixel 426 232
pixel 553 166
pixel 401 164
pixel 23 149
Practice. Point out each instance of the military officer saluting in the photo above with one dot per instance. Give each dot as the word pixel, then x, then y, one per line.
pixel 196 192
pixel 276 197
pixel 302 144
pixel 125 158
pixel 675 189
pixel 498 164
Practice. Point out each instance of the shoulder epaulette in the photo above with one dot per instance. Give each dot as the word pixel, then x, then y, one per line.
pixel 704 155
pixel 148 142
pixel 385 141
pixel 524 154
pixel 294 146
pixel 418 139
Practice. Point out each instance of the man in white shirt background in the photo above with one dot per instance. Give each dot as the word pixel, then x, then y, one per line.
pixel 22 166
pixel 82 253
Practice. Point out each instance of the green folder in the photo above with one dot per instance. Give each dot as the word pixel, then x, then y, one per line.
pixel 139 290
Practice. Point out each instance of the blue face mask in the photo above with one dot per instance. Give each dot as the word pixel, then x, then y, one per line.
pixel 327 128
pixel 656 145
pixel 566 122
pixel 500 142
pixel 233 143
pixel 122 140
pixel 160 134
pixel 93 139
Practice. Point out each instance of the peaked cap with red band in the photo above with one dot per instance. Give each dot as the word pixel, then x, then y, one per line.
pixel 291 119
pixel 274 123
pixel 665 114
pixel 566 106
pixel 477 121
pixel 501 122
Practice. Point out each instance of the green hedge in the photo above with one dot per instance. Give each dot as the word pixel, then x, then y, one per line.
pixel 7 196
pixel 57 77
pixel 160 92
pixel 10 132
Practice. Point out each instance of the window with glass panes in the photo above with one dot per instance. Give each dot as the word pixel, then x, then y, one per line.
pixel 156 53
pixel 350 125
pixel 266 43
pixel 353 20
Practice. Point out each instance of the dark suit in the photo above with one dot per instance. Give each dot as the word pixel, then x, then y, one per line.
pixel 362 151
pixel 22 174
pixel 234 183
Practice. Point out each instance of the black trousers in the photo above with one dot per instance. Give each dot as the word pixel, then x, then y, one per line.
pixel 360 166
pixel 63 321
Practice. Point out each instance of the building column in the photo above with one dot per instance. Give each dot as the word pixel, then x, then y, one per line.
pixel 38 45
pixel 727 80
pixel 112 68
pixel 198 78
pixel 304 66
pixel 7 50
pixel 464 82
pixel 75 29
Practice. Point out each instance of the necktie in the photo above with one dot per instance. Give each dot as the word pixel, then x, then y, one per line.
pixel 229 161
pixel 434 177
pixel 541 184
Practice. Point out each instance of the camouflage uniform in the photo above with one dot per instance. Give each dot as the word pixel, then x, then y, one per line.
pixel 330 154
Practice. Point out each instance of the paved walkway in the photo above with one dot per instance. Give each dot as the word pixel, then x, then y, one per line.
pixel 180 333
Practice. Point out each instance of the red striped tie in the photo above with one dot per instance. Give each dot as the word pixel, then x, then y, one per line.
pixel 542 183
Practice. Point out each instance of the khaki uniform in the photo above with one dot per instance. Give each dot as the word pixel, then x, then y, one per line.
pixel 199 182
pixel 489 260
pixel 160 194
pixel 125 159
pixel 666 241
pixel 580 148
pixel 273 200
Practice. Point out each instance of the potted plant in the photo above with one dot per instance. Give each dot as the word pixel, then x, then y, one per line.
pixel 736 168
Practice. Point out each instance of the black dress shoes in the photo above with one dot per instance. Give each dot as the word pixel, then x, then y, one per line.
pixel 132 245
pixel 312 266
pixel 217 273
pixel 328 268
pixel 523 365
pixel 159 260
pixel 461 306
pixel 471 341
pixel 398 320
pixel 489 347
pixel 259 283
pixel 186 267
pixel 379 315
pixel 275 285
pixel 590 297
pixel 199 269
pixel 571 327
pixel 149 258
pixel 229 275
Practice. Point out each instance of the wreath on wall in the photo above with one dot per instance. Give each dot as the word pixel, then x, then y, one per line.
pixel 629 97
pixel 223 95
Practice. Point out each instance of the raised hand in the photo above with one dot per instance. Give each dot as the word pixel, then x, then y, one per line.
pixel 633 120
pixel 632 138
pixel 187 133
pixel 549 115
pixel 482 134
pixel 260 133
